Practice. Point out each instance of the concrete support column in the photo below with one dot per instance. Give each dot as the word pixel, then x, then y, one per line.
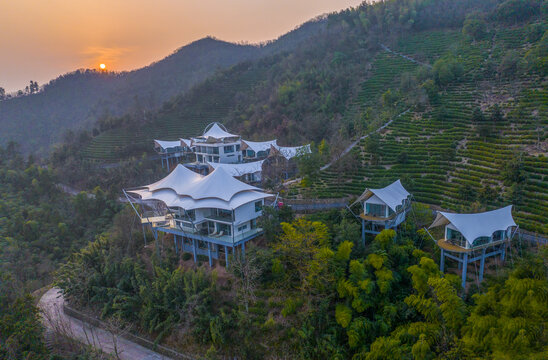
pixel 209 253
pixel 503 252
pixel 460 262
pixel 175 242
pixel 442 260
pixel 482 264
pixel 194 250
pixel 243 250
pixel 464 268
pixel 226 255
pixel 363 232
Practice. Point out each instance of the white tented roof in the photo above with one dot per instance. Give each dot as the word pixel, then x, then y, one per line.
pixel 393 195
pixel 289 152
pixel 189 190
pixel 178 180
pixel 472 226
pixel 239 169
pixel 217 132
pixel 185 142
pixel 167 144
pixel 259 145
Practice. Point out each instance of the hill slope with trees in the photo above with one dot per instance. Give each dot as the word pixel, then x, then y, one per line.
pixel 79 99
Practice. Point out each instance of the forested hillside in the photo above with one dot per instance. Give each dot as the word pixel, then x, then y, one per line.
pixel 81 98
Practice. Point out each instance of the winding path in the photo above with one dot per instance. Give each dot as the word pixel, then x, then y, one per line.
pixel 54 317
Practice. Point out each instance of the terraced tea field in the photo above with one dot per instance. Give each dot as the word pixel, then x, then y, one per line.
pixel 438 153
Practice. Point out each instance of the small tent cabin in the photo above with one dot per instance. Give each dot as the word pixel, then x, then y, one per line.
pixel 384 208
pixel 281 163
pixel 206 214
pixel 471 237
pixel 217 145
pixel 249 172
pixel 256 150
pixel 169 150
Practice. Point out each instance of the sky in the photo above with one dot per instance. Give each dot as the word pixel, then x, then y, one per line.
pixel 42 39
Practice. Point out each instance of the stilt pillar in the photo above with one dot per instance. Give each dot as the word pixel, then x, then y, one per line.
pixel 209 253
pixel 226 255
pixel 194 250
pixel 144 234
pixel 442 260
pixel 464 268
pixel 363 232
pixel 482 264
pixel 175 242
pixel 503 252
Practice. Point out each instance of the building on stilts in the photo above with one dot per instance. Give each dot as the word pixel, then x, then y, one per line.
pixel 384 208
pixel 207 215
pixel 474 237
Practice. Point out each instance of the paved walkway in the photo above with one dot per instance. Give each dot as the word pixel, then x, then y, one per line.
pixel 54 317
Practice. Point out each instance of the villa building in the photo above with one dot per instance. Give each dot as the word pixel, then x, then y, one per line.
pixel 207 215
pixel 472 237
pixel 384 208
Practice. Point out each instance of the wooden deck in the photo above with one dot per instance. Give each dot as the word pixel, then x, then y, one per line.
pixel 445 245
pixel 375 218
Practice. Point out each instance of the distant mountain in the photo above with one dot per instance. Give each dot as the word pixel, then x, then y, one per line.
pixel 82 97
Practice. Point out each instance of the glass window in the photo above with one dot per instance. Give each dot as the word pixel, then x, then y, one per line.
pixel 456 238
pixel 200 158
pixel 481 240
pixel 499 235
pixel 242 228
pixel 254 223
pixel 375 210
pixel 250 153
pixel 229 149
pixel 225 228
pixel 258 206
pixel 238 147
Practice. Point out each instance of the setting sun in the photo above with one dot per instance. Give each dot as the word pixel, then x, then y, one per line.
pixel 102 66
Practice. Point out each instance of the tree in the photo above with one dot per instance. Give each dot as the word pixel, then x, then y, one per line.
pixel 474 27
pixel 2 94
pixel 509 63
pixel 247 271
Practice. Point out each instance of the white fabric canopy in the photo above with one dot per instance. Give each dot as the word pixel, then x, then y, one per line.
pixel 239 169
pixel 258 145
pixel 186 142
pixel 215 131
pixel 167 144
pixel 189 190
pixel 178 180
pixel 289 152
pixel 393 195
pixel 472 226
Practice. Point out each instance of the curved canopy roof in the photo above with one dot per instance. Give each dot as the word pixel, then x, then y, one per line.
pixel 258 145
pixel 177 180
pixel 217 132
pixel 185 142
pixel 392 195
pixel 167 144
pixel 290 152
pixel 239 169
pixel 189 190
pixel 472 226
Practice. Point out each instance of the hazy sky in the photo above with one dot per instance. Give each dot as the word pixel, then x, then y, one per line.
pixel 41 39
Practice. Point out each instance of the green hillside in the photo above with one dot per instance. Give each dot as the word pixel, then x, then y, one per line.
pixel 450 69
pixel 437 151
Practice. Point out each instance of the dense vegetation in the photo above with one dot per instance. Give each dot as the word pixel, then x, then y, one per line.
pixel 315 292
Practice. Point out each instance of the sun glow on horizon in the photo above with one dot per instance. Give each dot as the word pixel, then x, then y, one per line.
pixel 103 66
